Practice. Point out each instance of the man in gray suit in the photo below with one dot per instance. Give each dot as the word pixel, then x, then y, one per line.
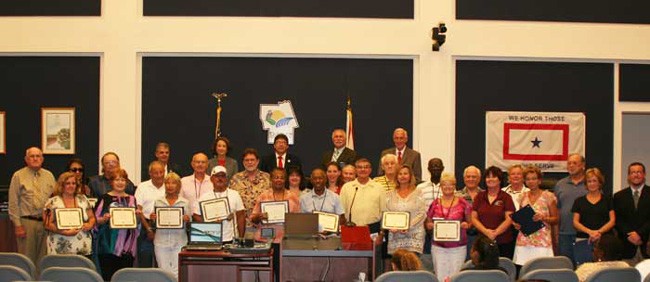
pixel 340 154
pixel 405 155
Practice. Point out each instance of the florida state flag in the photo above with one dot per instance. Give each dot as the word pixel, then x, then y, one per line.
pixel 544 139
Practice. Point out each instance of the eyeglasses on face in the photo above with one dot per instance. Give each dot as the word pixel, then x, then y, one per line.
pixel 77 169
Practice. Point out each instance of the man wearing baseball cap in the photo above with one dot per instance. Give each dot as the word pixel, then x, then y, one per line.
pixel 237 217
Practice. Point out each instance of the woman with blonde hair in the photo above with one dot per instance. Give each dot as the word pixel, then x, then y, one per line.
pixel 68 194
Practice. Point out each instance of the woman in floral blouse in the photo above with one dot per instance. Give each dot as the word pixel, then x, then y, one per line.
pixel 538 244
pixel 69 194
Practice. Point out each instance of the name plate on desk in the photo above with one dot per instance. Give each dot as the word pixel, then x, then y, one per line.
pixel 123 218
pixel 446 230
pixel 69 218
pixel 396 220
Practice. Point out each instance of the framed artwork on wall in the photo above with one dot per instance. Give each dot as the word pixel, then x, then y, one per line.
pixel 58 130
pixel 3 133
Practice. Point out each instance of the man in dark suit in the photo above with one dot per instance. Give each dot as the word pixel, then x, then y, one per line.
pixel 162 155
pixel 340 154
pixel 280 157
pixel 632 207
pixel 405 155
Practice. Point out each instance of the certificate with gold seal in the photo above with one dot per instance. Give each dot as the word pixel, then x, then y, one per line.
pixel 169 217
pixel 69 218
pixel 396 220
pixel 123 218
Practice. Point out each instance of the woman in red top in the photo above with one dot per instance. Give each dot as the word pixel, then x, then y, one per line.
pixel 491 212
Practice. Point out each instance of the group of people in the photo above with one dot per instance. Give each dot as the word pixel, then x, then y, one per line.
pixel 574 212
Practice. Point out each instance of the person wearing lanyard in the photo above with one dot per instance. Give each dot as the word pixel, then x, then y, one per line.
pixel 237 218
pixel 195 185
pixel 320 199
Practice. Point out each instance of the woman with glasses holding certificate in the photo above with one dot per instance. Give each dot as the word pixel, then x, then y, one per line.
pixel 405 198
pixel 170 235
pixel 69 218
pixel 117 231
pixel 448 218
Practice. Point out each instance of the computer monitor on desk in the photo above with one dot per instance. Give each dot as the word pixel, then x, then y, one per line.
pixel 300 225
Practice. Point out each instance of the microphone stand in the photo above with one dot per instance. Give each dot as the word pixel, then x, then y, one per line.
pixel 350 223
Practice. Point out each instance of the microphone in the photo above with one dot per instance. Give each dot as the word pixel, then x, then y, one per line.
pixel 350 223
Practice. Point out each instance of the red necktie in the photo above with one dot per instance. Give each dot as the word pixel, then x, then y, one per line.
pixel 399 157
pixel 280 164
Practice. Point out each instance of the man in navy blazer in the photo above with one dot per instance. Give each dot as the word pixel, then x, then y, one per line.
pixel 633 219
pixel 345 156
pixel 280 157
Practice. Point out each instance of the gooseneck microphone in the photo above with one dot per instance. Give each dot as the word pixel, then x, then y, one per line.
pixel 350 223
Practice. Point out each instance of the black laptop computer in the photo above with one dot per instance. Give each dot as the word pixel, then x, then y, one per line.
pixel 205 236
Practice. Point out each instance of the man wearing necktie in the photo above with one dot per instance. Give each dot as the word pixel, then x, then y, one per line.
pixel 405 155
pixel 280 157
pixel 29 189
pixel 341 154
pixel 632 207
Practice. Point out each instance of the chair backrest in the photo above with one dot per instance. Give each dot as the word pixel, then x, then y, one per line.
pixel 67 274
pixel 558 262
pixel 143 275
pixel 504 263
pixel 66 261
pixel 13 273
pixel 509 266
pixel 18 260
pixel 411 276
pixel 551 275
pixel 480 275
pixel 644 269
pixel 615 274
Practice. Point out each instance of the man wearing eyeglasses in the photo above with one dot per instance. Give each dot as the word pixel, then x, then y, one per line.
pixel 363 199
pixel 100 184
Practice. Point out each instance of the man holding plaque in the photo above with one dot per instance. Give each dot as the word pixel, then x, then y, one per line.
pixel 29 189
pixel 222 205
pixel 146 195
pixel 320 199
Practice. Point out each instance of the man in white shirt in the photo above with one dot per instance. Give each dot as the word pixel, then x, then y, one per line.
pixel 146 195
pixel 431 188
pixel 197 184
pixel 237 217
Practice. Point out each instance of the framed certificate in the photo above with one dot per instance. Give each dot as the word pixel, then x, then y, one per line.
pixel 215 209
pixel 328 222
pixel 275 210
pixel 92 202
pixel 396 220
pixel 169 217
pixel 123 218
pixel 446 230
pixel 69 218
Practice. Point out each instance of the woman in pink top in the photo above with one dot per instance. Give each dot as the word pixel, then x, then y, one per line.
pixel 448 257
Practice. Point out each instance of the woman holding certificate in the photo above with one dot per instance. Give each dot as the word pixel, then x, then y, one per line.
pixel 448 215
pixel 117 231
pixel 169 238
pixel 539 243
pixel 491 212
pixel 69 218
pixel 406 199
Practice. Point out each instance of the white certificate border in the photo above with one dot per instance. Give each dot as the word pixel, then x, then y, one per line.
pixel 202 204
pixel 285 203
pixel 115 226
pixel 68 210
pixel 386 214
pixel 162 226
pixel 449 239
pixel 336 229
